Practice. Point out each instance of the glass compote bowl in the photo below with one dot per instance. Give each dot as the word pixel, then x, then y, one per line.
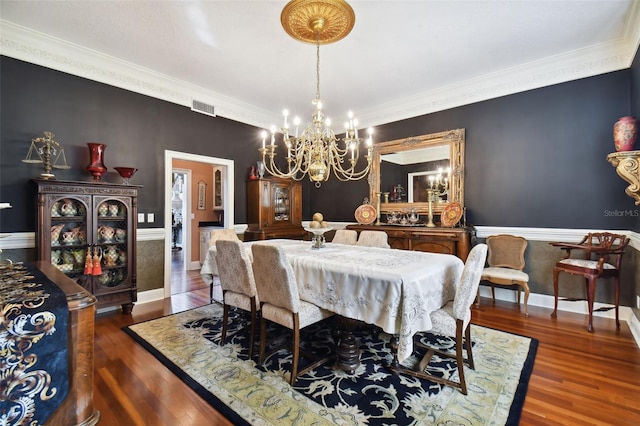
pixel 126 173
pixel 318 240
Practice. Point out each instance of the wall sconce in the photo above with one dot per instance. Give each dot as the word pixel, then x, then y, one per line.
pixel 627 164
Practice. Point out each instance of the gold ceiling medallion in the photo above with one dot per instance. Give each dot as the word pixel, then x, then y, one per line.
pixel 318 21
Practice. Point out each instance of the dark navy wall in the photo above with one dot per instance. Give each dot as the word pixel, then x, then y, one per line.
pixel 533 159
pixel 135 128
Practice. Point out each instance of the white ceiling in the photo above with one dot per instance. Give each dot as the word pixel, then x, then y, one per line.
pixel 402 59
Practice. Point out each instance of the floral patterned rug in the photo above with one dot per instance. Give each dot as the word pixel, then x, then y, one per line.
pixel 188 343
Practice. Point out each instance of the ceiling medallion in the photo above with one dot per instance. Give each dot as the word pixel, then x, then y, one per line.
pixel 318 21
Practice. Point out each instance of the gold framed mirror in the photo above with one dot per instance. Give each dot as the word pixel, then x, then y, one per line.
pixel 402 170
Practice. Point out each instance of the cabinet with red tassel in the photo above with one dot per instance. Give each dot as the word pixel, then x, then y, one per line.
pixel 88 231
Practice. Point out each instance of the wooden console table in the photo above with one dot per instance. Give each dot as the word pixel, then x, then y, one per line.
pixel 456 241
pixel 77 408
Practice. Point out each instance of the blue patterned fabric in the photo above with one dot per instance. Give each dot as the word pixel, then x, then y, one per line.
pixel 33 346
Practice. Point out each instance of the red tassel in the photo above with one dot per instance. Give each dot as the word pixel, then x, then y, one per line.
pixel 88 263
pixel 97 268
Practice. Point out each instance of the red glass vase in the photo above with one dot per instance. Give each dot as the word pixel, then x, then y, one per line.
pixel 96 160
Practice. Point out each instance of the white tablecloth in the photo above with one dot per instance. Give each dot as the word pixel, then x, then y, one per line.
pixel 394 289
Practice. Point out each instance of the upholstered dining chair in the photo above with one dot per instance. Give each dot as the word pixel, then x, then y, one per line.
pixel 601 258
pixel 238 285
pixel 454 320
pixel 506 263
pixel 373 239
pixel 345 236
pixel 216 235
pixel 281 303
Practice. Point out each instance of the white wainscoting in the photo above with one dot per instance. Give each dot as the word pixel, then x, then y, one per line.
pixel 21 240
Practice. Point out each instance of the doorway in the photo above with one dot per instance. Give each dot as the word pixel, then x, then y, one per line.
pixel 180 212
pixel 227 205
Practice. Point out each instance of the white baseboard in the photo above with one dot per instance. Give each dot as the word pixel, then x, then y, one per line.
pixel 634 325
pixel 150 295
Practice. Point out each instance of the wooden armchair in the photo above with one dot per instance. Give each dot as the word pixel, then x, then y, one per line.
pixel 602 258
pixel 506 264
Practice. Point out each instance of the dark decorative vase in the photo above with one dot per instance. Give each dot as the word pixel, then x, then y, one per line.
pixel 96 160
pixel 625 132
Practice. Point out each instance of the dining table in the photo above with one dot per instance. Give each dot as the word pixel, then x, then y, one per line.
pixel 394 289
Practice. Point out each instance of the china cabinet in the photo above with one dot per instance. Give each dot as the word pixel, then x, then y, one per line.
pixel 274 209
pixel 88 231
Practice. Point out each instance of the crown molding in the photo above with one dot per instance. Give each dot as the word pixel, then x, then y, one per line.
pixel 35 47
pixel 31 46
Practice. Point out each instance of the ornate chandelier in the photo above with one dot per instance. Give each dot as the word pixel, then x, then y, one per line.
pixel 317 151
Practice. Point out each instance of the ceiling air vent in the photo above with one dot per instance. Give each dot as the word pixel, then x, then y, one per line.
pixel 203 108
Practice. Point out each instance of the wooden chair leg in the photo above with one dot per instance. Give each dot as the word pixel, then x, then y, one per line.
pixel 263 340
pixel 460 358
pixel 467 342
pixel 295 350
pixel 526 299
pixel 591 292
pixel 254 319
pixel 617 298
pixel 556 272
pixel 225 320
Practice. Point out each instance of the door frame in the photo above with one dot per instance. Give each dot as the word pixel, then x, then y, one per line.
pixel 228 201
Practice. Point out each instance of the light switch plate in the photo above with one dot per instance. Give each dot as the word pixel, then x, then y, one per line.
pixel 140 217
pixel 151 217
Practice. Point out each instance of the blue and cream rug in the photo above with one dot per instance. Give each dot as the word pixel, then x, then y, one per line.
pixel 187 343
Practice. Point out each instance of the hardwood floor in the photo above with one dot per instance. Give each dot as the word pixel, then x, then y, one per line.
pixel 579 378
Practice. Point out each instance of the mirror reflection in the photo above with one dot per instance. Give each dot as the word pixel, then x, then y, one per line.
pixel 405 171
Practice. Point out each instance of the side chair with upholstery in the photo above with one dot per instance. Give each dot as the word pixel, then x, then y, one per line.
pixel 454 320
pixel 345 236
pixel 601 258
pixel 506 262
pixel 281 303
pixel 373 239
pixel 216 235
pixel 238 285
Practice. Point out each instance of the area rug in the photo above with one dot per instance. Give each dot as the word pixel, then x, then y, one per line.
pixel 247 394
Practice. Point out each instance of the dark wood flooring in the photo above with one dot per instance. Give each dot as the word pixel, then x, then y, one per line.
pixel 579 378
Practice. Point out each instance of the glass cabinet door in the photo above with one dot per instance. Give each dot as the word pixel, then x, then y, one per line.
pixel 111 243
pixel 68 233
pixel 281 204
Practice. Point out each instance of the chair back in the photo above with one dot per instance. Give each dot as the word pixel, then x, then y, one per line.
pixel 274 276
pixel 467 288
pixel 506 251
pixel 345 236
pixel 373 239
pixel 234 268
pixel 606 245
pixel 222 234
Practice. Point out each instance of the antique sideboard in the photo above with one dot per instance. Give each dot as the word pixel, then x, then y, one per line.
pixel 456 241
